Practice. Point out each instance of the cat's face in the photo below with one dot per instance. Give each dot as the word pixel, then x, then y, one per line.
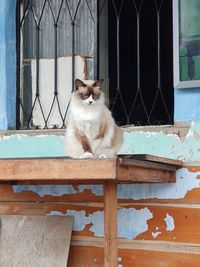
pixel 88 92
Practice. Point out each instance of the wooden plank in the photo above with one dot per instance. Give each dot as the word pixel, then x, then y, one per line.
pixel 144 258
pixel 147 164
pixel 182 228
pixel 57 169
pixel 183 218
pixel 135 174
pixel 110 225
pixel 148 157
pixel 34 241
pixel 11 193
pixel 164 246
pixel 33 208
pixel 82 256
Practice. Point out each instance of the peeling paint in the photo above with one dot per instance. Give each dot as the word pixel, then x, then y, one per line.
pixel 131 222
pixel 97 220
pixel 156 234
pixel 169 222
pixel 156 143
pixel 97 190
pixel 185 182
pixel 57 190
pixel 166 145
pixel 81 220
pixel 44 190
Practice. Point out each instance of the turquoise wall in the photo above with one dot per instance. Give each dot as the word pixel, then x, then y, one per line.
pixel 136 142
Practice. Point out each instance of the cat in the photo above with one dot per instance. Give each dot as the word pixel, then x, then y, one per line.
pixel 91 130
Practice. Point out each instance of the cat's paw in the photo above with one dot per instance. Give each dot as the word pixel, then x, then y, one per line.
pixel 87 155
pixel 105 156
pixel 106 143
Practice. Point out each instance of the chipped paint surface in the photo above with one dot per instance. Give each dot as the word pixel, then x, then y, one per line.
pixel 164 145
pixel 131 222
pixel 186 181
pixel 58 190
pixel 156 143
pixel 156 234
pixel 169 220
pixel 44 190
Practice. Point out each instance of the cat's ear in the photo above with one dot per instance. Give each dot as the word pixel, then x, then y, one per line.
pixel 98 83
pixel 79 83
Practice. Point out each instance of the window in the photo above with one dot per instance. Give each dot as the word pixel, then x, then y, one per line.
pixel 186 43
pixel 128 43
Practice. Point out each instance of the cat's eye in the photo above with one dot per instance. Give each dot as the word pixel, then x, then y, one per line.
pixel 84 95
pixel 96 95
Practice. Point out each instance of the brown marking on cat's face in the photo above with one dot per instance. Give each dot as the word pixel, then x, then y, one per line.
pixel 83 140
pixel 88 92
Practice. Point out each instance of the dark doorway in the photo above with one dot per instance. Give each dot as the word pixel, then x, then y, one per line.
pixel 141 61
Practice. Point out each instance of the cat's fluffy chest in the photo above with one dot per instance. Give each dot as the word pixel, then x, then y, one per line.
pixel 88 122
pixel 90 129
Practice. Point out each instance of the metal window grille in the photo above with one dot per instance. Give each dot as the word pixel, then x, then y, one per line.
pixel 126 42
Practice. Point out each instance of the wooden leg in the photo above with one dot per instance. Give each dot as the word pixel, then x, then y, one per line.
pixel 110 225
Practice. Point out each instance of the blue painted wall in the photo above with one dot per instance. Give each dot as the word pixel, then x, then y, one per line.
pixel 7 64
pixel 187 104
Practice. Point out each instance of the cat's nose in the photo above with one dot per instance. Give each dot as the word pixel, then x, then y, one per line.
pixel 90 102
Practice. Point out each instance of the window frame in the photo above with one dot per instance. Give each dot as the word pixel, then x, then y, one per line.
pixel 178 84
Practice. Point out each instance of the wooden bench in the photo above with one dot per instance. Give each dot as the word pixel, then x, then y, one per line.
pixel 109 172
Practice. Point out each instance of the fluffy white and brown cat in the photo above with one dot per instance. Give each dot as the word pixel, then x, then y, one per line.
pixel 91 130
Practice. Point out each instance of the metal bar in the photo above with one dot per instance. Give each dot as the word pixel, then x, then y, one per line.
pixel 118 54
pixel 73 54
pixel 55 59
pixel 158 52
pixel 96 45
pixel 73 44
pixel 37 60
pixel 138 51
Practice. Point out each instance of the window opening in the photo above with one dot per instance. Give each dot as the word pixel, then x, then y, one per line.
pixel 140 56
pixel 127 43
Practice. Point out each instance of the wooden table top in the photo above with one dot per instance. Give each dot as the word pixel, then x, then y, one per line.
pixel 124 168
